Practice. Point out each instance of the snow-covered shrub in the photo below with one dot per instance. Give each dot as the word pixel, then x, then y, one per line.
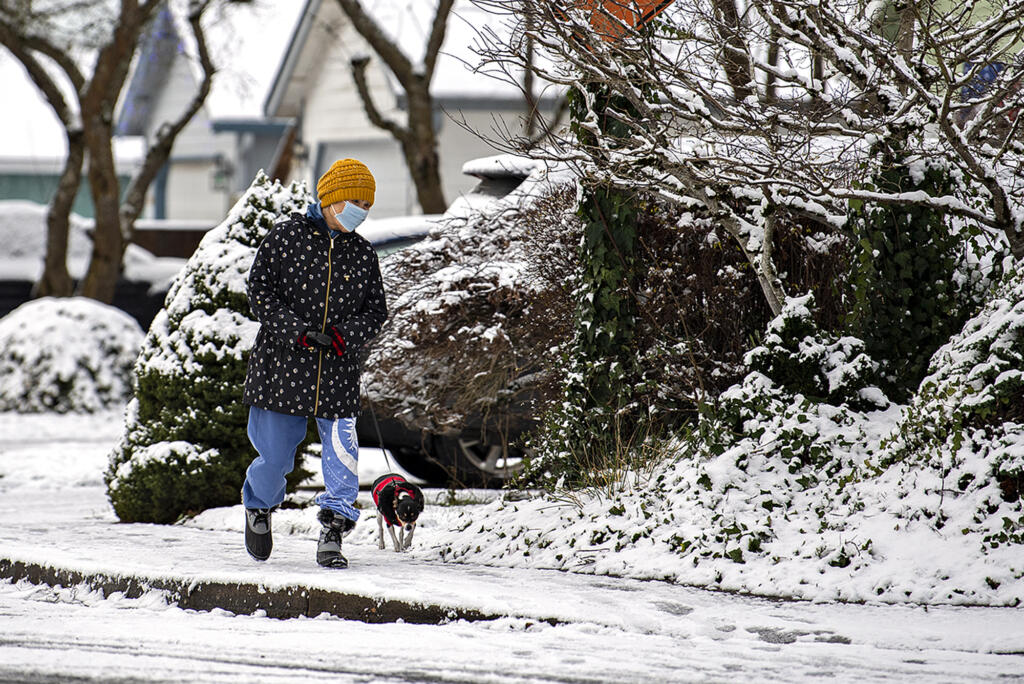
pixel 469 333
pixel 802 359
pixel 184 446
pixel 907 300
pixel 778 494
pixel 66 354
pixel 700 305
pixel 958 453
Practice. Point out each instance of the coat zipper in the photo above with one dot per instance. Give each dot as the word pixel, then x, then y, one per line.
pixel 323 328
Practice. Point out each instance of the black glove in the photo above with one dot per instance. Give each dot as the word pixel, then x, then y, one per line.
pixel 311 337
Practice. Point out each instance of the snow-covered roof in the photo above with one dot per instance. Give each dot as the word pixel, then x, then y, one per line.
pixel 23 235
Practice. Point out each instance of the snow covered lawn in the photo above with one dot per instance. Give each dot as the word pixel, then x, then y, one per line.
pixel 54 511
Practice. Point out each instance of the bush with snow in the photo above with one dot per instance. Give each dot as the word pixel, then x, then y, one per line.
pixel 469 334
pixel 184 446
pixel 799 357
pixel 66 354
pixel 780 494
pixel 699 306
pixel 956 459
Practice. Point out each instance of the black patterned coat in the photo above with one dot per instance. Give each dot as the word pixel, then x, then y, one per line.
pixel 302 280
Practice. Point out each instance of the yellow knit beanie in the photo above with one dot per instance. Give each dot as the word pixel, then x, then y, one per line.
pixel 347 179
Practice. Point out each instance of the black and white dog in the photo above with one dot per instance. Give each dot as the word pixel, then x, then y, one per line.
pixel 399 504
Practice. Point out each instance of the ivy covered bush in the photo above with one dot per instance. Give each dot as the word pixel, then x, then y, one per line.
pixel 65 355
pixel 700 306
pixel 184 446
pixel 846 497
pixel 960 443
pixel 907 300
pixel 823 367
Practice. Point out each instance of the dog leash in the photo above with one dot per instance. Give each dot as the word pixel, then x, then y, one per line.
pixel 380 438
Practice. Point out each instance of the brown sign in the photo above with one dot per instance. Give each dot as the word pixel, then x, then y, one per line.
pixel 611 19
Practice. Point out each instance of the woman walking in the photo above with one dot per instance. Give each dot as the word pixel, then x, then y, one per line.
pixel 316 289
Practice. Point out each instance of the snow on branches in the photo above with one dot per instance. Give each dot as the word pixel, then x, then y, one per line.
pixel 752 109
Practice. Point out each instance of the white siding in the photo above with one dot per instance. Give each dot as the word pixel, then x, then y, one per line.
pixel 334 123
pixel 459 145
pixel 190 193
pixel 195 139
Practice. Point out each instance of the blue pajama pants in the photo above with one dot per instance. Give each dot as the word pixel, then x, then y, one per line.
pixel 276 436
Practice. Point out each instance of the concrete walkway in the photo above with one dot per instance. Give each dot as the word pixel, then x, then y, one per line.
pixel 70 536
pixel 57 528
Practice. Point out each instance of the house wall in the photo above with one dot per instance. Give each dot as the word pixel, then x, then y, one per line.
pixel 459 145
pixel 334 124
pixel 255 152
pixel 40 187
pixel 190 192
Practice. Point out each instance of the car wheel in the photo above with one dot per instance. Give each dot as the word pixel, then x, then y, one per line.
pixel 483 462
pixel 421 465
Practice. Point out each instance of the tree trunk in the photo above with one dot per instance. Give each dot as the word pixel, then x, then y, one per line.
pixel 420 149
pixel 107 239
pixel 425 169
pixel 418 137
pixel 97 105
pixel 56 281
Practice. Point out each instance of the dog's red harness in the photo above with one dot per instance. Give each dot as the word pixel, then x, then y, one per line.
pixel 395 480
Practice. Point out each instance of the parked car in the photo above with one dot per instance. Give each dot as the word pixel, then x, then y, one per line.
pixel 390 235
pixel 482 450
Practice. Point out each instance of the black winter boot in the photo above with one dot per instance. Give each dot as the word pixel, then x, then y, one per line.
pixel 328 550
pixel 258 540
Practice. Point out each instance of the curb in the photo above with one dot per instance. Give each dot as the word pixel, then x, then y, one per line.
pixel 244 598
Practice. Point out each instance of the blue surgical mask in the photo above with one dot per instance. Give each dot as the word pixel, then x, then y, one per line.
pixel 351 216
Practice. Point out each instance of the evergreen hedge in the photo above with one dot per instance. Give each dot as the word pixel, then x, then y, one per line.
pixel 906 299
pixel 184 448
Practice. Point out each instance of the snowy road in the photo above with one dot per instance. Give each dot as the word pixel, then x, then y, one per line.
pixel 60 635
pixel 52 509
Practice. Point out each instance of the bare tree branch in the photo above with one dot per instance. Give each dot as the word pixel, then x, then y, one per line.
pixel 418 136
pixel 436 39
pixel 387 50
pixel 359 65
pixel 160 149
pixel 785 106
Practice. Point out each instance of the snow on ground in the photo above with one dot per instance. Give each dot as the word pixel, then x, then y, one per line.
pixel 54 510
pixel 104 640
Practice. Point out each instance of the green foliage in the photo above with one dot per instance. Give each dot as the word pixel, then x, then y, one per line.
pixel 804 360
pixel 171 479
pixel 185 446
pixel 596 417
pixel 906 301
pixel 966 421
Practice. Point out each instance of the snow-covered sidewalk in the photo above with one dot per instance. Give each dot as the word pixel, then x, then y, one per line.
pixel 54 513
